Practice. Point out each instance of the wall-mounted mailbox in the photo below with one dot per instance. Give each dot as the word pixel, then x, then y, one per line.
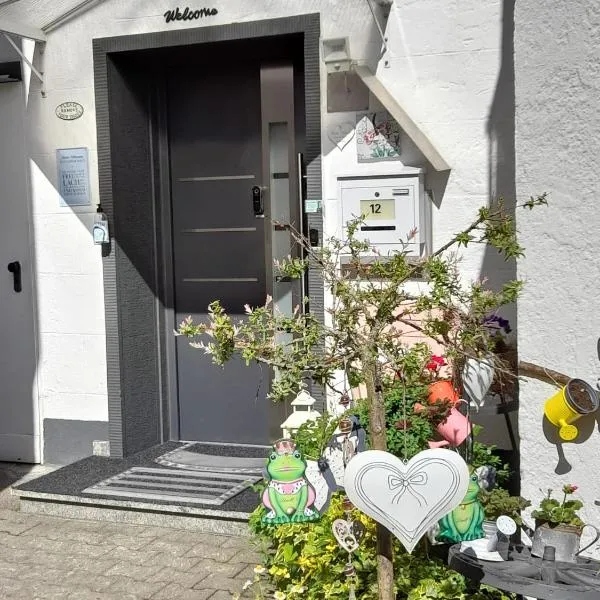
pixel 392 206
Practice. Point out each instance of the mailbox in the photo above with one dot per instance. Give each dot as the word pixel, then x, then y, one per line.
pixel 392 207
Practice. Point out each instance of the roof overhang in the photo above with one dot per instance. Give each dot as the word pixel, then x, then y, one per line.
pixel 22 30
pixel 422 142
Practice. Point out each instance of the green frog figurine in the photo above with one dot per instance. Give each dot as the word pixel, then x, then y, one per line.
pixel 288 496
pixel 464 523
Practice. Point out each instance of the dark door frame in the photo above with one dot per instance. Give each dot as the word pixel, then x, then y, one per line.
pixel 138 389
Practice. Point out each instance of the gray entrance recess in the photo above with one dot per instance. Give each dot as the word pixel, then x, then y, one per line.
pixel 140 164
pixel 233 174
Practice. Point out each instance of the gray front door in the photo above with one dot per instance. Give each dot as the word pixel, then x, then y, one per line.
pixel 221 142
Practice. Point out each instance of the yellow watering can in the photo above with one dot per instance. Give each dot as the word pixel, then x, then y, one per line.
pixel 571 402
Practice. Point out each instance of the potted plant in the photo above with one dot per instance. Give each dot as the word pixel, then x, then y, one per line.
pixel 498 502
pixel 558 524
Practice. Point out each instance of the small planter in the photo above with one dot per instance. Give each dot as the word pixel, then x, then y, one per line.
pixel 570 403
pixel 564 538
pixel 477 377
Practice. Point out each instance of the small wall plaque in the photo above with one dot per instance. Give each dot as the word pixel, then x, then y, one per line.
pixel 69 111
pixel 73 176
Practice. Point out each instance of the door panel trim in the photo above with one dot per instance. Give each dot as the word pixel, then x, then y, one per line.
pixel 217 178
pixel 124 368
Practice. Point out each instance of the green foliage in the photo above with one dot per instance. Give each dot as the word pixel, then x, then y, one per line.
pixel 499 502
pixel 366 308
pixel 404 436
pixel 313 436
pixel 553 512
pixel 307 557
pixel 484 454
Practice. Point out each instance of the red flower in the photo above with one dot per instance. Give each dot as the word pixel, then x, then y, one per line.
pixel 569 488
pixel 435 362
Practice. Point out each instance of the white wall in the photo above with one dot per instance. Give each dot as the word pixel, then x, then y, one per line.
pixel 443 66
pixel 558 144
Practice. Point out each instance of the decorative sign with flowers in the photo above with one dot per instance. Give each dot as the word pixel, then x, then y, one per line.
pixel 377 137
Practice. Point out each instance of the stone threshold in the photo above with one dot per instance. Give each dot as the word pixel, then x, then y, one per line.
pixel 134 513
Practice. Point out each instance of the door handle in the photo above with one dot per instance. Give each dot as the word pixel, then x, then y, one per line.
pixel 15 269
pixel 258 202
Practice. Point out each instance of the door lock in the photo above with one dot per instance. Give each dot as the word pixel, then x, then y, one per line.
pixel 15 269
pixel 258 202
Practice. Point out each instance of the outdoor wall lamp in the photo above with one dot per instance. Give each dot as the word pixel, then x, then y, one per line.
pixel 10 72
pixel 100 229
pixel 336 55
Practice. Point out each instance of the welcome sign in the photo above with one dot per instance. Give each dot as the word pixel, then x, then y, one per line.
pixel 189 14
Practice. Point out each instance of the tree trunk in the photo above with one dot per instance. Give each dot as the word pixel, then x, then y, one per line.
pixel 385 555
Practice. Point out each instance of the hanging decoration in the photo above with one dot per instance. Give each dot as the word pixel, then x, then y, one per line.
pixel 407 498
pixel 348 441
pixel 465 522
pixel 288 497
pixel 348 534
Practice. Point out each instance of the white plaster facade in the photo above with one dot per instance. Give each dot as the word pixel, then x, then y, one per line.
pixel 449 66
pixel 557 147
pixel 444 72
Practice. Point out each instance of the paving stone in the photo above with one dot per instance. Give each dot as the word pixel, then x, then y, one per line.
pixel 191 537
pixel 141 589
pixel 52 532
pixel 221 595
pixel 175 591
pixel 166 547
pixel 47 558
pixel 220 577
pixel 134 557
pixel 169 560
pixel 15 528
pixel 212 552
pixel 248 557
pixel 91 595
pixel 186 579
pixel 136 572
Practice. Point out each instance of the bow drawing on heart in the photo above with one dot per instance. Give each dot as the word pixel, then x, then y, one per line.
pixel 406 485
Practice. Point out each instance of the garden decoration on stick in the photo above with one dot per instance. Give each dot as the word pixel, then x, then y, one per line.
pixel 370 311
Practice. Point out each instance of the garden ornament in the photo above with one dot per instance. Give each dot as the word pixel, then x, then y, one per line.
pixel 343 446
pixel 454 430
pixel 442 390
pixel 407 498
pixel 477 378
pixel 320 478
pixel 464 523
pixel 487 477
pixel 288 496
pixel 570 403
pixel 342 531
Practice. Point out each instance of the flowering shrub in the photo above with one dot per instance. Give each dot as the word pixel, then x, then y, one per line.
pixel 304 561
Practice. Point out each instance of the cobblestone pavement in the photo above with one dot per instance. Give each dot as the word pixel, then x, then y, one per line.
pixel 48 558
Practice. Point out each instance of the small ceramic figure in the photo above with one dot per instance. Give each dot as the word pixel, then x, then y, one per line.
pixel 464 523
pixel 288 496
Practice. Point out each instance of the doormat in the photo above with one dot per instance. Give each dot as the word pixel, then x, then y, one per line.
pixel 174 485
pixel 200 457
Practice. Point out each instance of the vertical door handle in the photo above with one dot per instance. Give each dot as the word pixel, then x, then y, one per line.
pixel 258 202
pixel 15 269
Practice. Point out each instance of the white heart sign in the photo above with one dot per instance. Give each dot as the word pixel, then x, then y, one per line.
pixel 407 498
